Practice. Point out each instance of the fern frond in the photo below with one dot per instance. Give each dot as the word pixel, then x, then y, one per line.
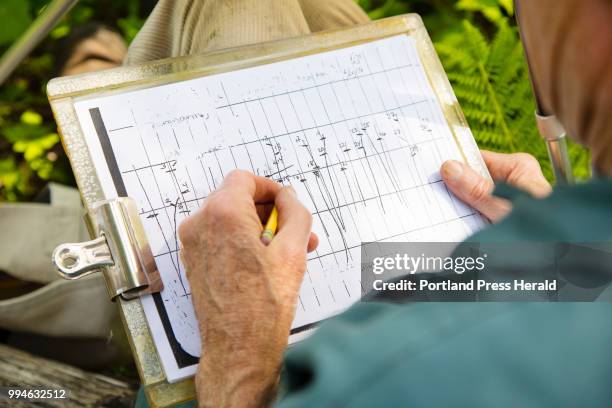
pixel 492 10
pixel 491 82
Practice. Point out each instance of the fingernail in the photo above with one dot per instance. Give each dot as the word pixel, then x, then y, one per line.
pixel 452 170
pixel 291 189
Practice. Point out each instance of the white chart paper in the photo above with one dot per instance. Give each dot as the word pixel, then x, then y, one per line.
pixel 358 132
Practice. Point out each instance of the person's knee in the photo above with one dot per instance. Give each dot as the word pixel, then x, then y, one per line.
pixel 329 14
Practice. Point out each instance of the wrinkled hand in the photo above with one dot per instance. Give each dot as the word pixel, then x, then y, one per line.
pixel 244 293
pixel 519 170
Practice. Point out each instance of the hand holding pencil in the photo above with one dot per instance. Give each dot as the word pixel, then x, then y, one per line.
pixel 238 275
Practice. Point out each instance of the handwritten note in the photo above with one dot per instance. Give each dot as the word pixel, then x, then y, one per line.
pixel 358 132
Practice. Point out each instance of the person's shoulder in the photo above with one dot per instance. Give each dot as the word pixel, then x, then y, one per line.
pixel 580 212
pixel 432 354
pixel 361 357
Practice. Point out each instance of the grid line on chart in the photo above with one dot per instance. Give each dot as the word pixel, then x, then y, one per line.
pixel 310 87
pixel 358 132
pixel 301 173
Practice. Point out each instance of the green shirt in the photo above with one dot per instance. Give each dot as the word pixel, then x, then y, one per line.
pixel 471 354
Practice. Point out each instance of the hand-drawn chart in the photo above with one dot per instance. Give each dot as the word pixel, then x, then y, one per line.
pixel 358 132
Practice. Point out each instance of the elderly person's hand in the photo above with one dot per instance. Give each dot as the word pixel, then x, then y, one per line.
pixel 244 292
pixel 519 170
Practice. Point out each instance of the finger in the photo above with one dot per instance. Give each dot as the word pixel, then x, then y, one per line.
pixel 500 165
pixel 263 211
pixel 294 221
pixel 313 242
pixel 260 189
pixel 474 190
pixel 235 202
pixel 520 170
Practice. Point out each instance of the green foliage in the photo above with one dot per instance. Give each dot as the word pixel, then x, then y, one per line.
pixel 491 80
pixel 131 24
pixel 496 11
pixel 377 10
pixel 30 152
pixel 480 49
pixel 15 17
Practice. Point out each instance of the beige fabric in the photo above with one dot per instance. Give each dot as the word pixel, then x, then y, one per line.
pixel 29 233
pixel 62 308
pixel 184 27
pixel 104 49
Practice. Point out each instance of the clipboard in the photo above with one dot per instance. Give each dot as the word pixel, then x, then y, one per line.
pixel 119 247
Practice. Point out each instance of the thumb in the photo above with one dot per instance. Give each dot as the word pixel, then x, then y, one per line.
pixel 474 190
pixel 294 221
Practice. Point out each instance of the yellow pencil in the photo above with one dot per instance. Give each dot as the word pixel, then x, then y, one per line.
pixel 270 228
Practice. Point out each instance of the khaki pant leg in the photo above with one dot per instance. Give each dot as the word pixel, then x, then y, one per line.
pixel 184 27
pixel 330 14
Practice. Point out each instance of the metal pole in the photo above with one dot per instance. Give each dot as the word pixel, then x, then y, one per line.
pixel 550 128
pixel 34 35
pixel 554 134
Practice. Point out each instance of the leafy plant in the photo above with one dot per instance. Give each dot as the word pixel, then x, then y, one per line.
pixel 30 152
pixel 496 11
pixel 491 81
pixel 480 48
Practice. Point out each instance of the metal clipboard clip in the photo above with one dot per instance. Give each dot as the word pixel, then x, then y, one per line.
pixel 120 251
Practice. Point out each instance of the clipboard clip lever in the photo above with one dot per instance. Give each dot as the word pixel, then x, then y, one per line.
pixel 120 251
pixel 75 260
